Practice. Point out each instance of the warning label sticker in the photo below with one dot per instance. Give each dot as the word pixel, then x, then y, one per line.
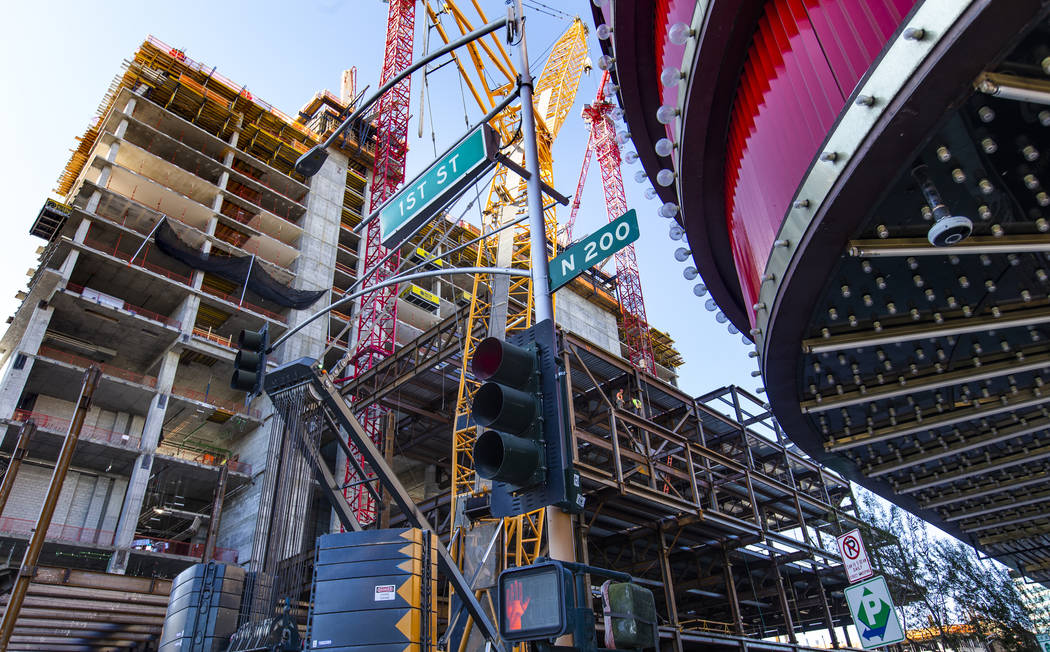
pixel 385 592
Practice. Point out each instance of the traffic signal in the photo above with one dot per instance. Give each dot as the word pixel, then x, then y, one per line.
pixel 249 366
pixel 521 418
pixel 536 602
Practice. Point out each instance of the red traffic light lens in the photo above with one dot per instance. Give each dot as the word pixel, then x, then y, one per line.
pixel 487 358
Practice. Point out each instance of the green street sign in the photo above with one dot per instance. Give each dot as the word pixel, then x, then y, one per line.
pixel 873 613
pixel 593 249
pixel 432 189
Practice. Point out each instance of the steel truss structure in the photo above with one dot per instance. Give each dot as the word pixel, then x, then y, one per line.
pixel 498 306
pixel 703 499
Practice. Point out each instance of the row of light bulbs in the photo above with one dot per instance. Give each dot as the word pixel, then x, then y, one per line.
pixel 678 34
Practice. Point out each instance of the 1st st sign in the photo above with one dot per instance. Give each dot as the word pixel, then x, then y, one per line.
pixel 593 249
pixel 435 187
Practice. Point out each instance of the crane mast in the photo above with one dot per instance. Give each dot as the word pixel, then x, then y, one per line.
pixel 635 338
pixel 376 327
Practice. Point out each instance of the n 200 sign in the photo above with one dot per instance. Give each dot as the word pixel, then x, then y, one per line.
pixel 593 249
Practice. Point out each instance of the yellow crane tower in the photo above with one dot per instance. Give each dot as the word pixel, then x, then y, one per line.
pixel 501 305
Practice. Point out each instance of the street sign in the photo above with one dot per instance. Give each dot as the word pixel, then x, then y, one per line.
pixel 432 189
pixel 593 249
pixel 1043 640
pixel 873 613
pixel 854 556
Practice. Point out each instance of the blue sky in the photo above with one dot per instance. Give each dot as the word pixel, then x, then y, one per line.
pixel 59 58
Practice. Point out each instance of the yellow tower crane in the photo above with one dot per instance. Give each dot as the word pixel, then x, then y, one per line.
pixel 501 305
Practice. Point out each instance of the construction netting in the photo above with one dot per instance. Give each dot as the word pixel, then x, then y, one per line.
pixel 243 270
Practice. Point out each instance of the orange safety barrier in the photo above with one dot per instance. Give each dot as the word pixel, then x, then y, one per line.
pixel 107 369
pixel 184 548
pixel 59 425
pixel 57 531
pixel 115 251
pixel 244 304
pixel 213 337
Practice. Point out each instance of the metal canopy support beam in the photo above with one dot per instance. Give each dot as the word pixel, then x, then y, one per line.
pixel 905 386
pixel 1021 400
pixel 900 247
pixel 936 451
pixel 1023 457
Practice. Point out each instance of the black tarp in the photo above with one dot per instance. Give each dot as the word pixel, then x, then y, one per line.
pixel 241 270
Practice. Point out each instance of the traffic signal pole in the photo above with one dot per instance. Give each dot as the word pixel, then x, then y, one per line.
pixel 559 523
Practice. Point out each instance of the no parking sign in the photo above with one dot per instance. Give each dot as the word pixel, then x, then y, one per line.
pixel 854 556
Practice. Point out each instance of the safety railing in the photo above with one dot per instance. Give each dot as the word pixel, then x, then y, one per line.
pixel 244 304
pixel 57 531
pixel 138 310
pixel 107 369
pixel 60 426
pixel 707 626
pixel 184 548
pixel 208 458
pixel 213 337
pixel 233 407
pixel 114 250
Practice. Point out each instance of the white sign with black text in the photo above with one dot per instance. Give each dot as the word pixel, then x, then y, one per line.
pixel 854 556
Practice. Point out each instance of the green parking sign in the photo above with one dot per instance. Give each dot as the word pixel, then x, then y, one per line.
pixel 873 613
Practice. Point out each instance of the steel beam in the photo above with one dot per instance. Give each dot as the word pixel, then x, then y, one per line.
pixel 1024 457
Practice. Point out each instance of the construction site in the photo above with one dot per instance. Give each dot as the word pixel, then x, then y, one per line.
pixel 180 221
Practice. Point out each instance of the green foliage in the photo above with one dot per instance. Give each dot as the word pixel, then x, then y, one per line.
pixel 938 582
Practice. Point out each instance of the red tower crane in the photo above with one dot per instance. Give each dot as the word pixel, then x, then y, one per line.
pixel 377 319
pixel 602 144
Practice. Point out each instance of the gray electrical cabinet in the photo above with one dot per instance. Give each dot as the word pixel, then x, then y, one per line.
pixel 374 591
pixel 203 607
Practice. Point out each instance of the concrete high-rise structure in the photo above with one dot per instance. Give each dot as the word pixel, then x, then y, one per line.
pixel 176 142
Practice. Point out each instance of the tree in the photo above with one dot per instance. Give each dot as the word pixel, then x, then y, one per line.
pixel 939 583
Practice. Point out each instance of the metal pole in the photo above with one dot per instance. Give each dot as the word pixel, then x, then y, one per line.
pixel 559 524
pixel 247 277
pixel 21 448
pixel 47 510
pixel 394 281
pixel 216 513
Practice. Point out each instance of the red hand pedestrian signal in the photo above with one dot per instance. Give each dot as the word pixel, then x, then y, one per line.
pixel 515 605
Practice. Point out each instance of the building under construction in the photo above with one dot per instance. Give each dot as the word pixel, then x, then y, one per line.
pixel 181 222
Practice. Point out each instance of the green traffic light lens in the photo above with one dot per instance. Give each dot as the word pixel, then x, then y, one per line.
pixel 506 458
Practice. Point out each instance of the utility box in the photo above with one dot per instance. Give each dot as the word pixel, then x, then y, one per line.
pixel 374 591
pixel 203 607
pixel 629 615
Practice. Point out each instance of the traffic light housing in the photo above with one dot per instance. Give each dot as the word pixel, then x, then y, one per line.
pixel 249 367
pixel 521 423
pixel 536 602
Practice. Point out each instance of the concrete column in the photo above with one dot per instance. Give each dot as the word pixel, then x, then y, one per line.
pixel 140 474
pixel 14 380
pixel 313 269
pixel 129 109
pixel 315 266
pixel 186 313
